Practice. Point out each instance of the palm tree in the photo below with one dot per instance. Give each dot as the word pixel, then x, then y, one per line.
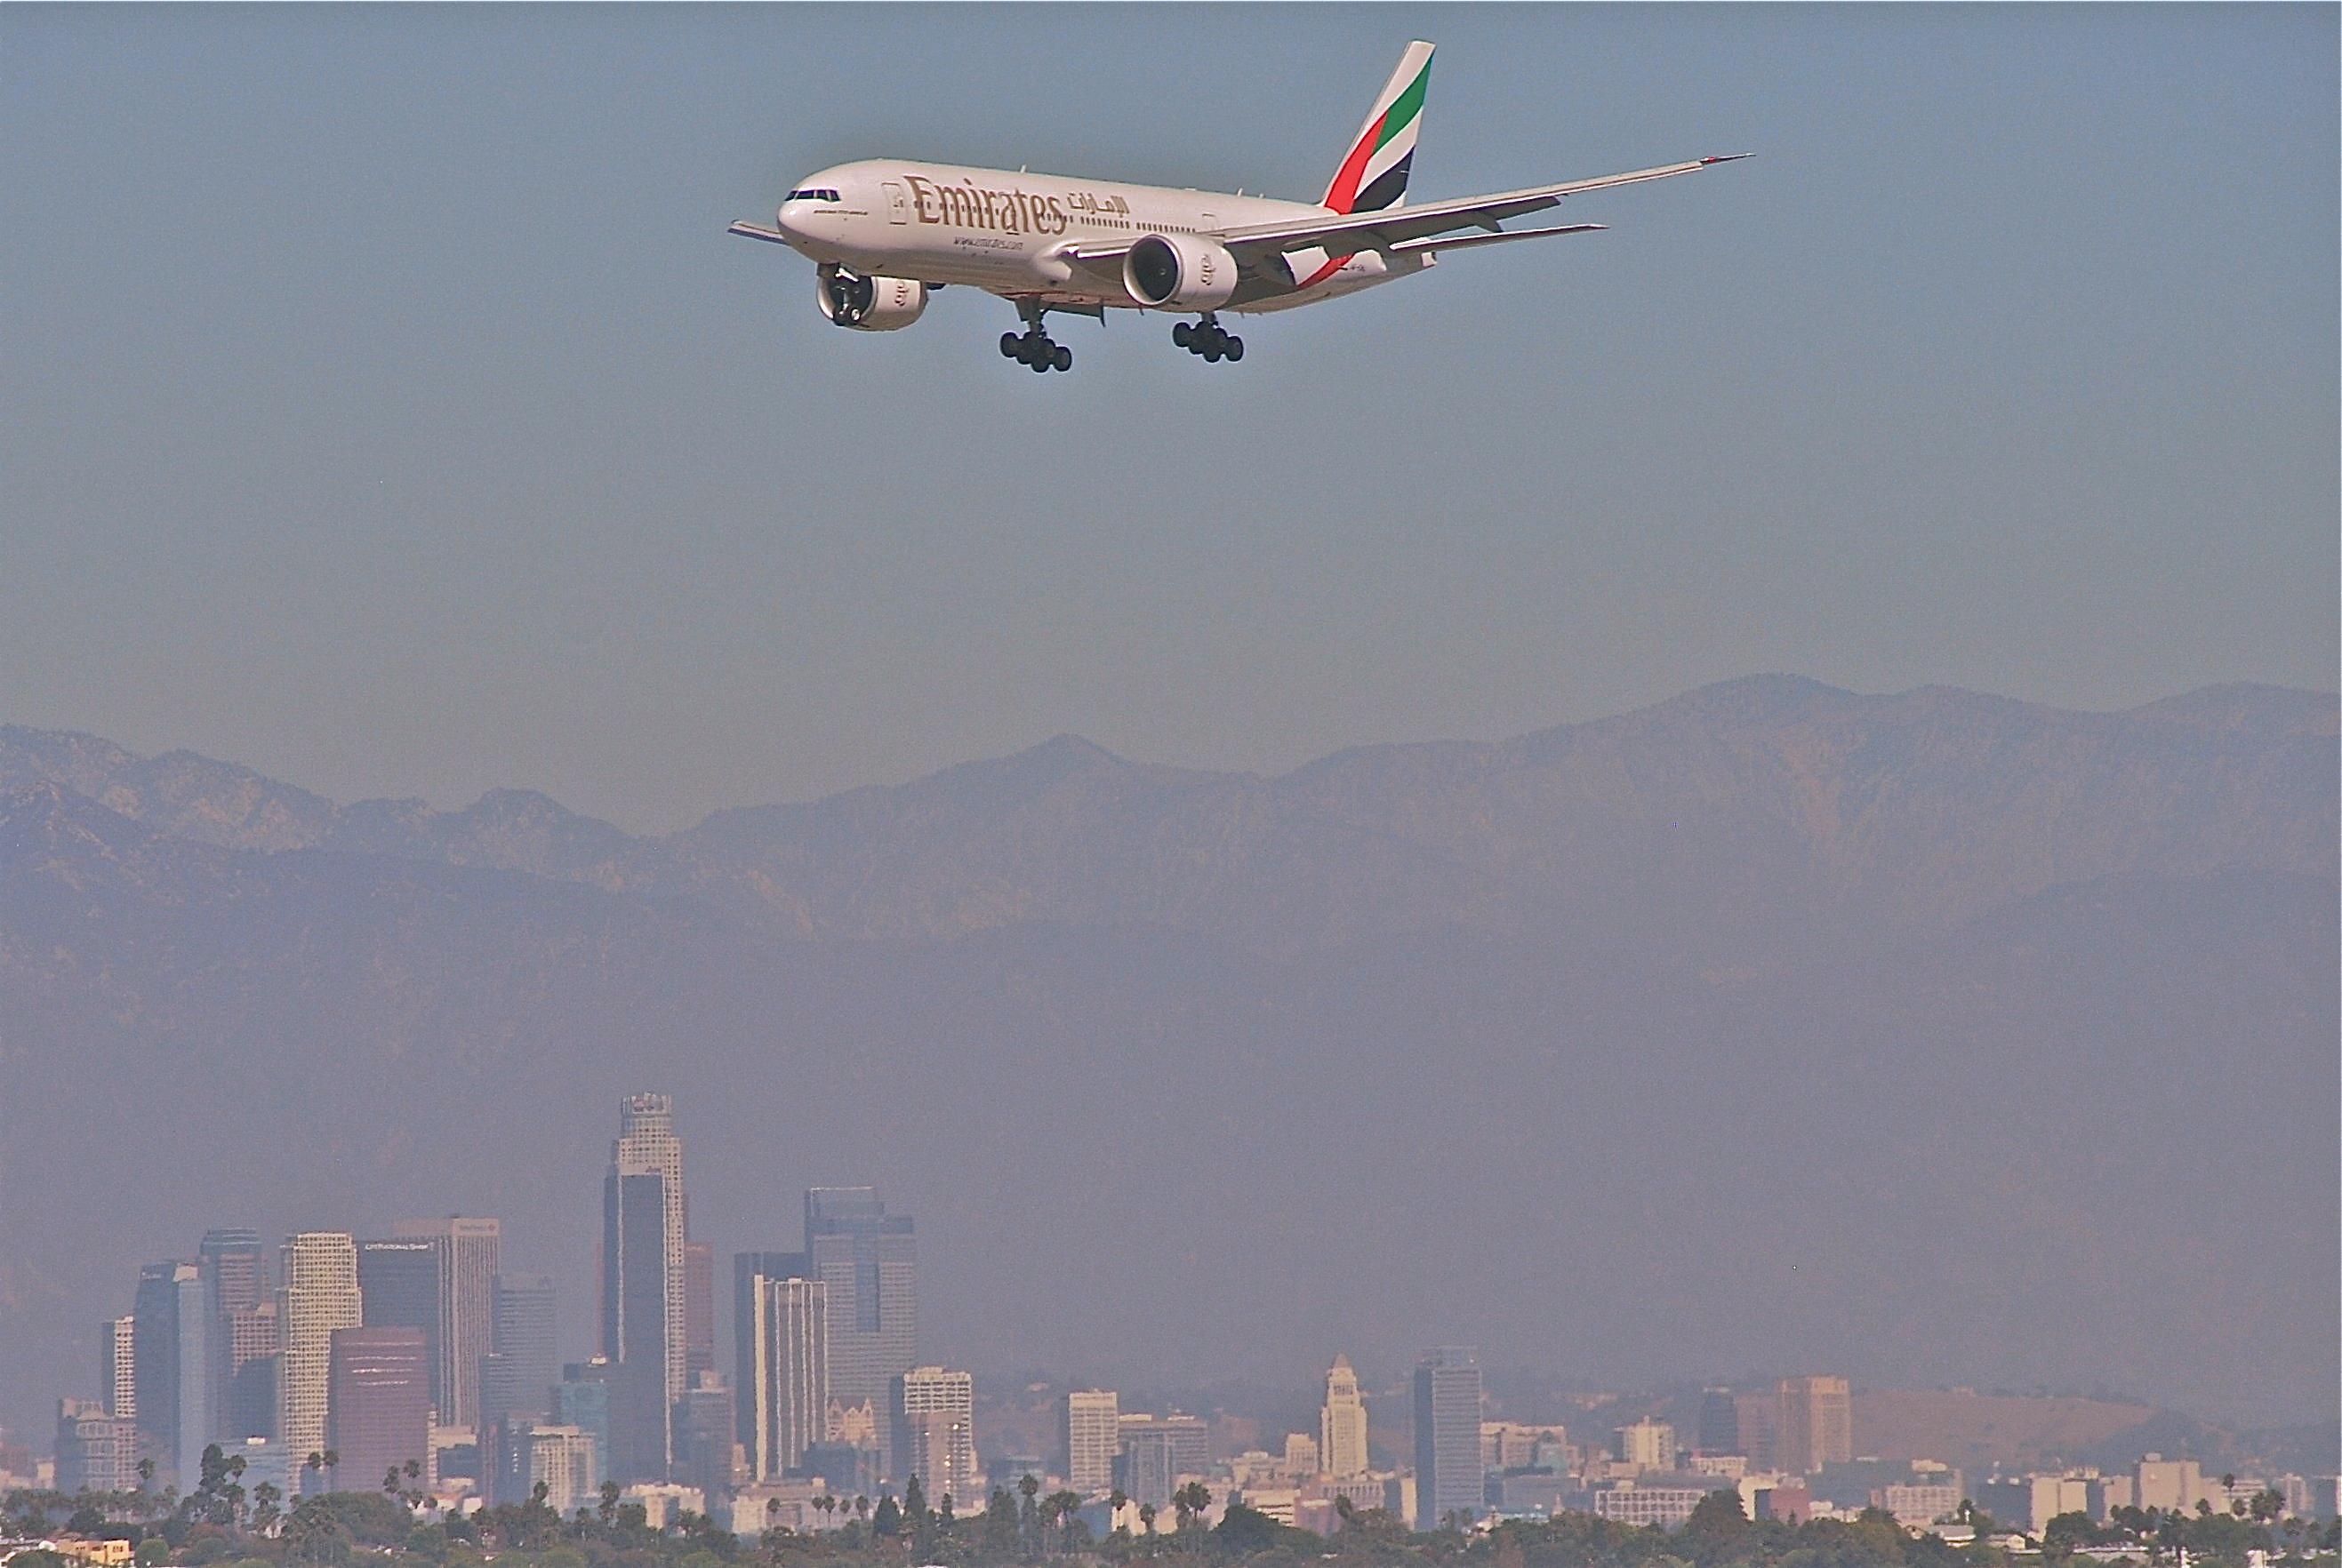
pixel 1068 1504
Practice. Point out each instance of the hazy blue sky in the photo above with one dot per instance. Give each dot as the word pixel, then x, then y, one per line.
pixel 383 405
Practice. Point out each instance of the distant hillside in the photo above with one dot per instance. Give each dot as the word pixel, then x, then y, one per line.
pixel 1976 1432
pixel 1937 1038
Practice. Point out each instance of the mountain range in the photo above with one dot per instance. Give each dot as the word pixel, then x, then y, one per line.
pixel 1932 1037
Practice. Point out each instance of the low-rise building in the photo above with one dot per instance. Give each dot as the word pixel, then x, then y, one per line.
pixel 791 1505
pixel 1663 1501
pixel 1917 1504
pixel 664 1502
pixel 2028 1503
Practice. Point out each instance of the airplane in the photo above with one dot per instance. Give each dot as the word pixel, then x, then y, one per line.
pixel 886 235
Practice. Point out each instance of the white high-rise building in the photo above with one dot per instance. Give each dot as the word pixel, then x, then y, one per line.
pixel 1647 1444
pixel 934 1431
pixel 562 1458
pixel 1093 1438
pixel 122 1366
pixel 789 1362
pixel 321 1294
pixel 469 1253
pixel 1342 1425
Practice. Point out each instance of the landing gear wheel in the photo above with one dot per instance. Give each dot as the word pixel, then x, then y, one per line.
pixel 1183 334
pixel 1235 349
pixel 1039 361
pixel 1011 345
pixel 1061 359
pixel 1211 350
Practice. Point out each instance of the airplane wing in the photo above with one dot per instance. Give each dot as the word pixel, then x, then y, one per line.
pixel 1396 227
pixel 757 232
pixel 1406 230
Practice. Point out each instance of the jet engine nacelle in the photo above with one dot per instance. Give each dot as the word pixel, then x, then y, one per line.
pixel 1180 270
pixel 868 303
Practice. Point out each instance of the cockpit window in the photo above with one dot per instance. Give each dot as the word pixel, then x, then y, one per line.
pixel 811 193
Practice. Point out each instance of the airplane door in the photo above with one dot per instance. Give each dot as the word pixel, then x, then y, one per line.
pixel 898 210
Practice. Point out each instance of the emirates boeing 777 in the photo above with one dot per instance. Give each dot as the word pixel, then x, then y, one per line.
pixel 885 234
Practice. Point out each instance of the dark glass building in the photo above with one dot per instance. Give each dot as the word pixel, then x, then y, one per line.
pixel 523 1362
pixel 1448 1480
pixel 379 1405
pixel 868 1261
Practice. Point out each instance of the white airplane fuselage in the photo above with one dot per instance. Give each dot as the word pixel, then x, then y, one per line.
pixel 1006 231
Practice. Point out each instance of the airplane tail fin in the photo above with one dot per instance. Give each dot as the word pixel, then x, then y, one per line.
pixel 1373 177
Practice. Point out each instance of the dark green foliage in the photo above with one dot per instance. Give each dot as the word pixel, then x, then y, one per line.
pixel 373 1530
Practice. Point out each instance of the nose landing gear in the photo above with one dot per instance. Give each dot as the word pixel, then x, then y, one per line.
pixel 1207 339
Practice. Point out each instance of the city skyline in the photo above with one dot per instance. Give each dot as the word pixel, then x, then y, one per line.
pixel 1783 1453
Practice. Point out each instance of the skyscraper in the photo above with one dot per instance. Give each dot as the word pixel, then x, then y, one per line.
pixel 171 1370
pixel 120 1371
pixel 321 1294
pixel 581 1399
pixel 399 1286
pixel 698 1308
pixel 1755 1418
pixel 1815 1425
pixel 786 1342
pixel 235 1267
pixel 524 1357
pixel 470 1251
pixel 379 1402
pixel 934 1411
pixel 702 1440
pixel 643 1311
pixel 1342 1424
pixel 1147 1469
pixel 155 1364
pixel 746 1269
pixel 1093 1438
pixel 1447 1476
pixel 1719 1422
pixel 869 1260
pixel 255 1346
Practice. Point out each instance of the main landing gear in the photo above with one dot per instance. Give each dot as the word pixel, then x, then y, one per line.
pixel 1032 346
pixel 1208 340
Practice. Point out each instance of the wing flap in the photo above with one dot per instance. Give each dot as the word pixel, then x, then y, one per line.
pixel 1465 242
